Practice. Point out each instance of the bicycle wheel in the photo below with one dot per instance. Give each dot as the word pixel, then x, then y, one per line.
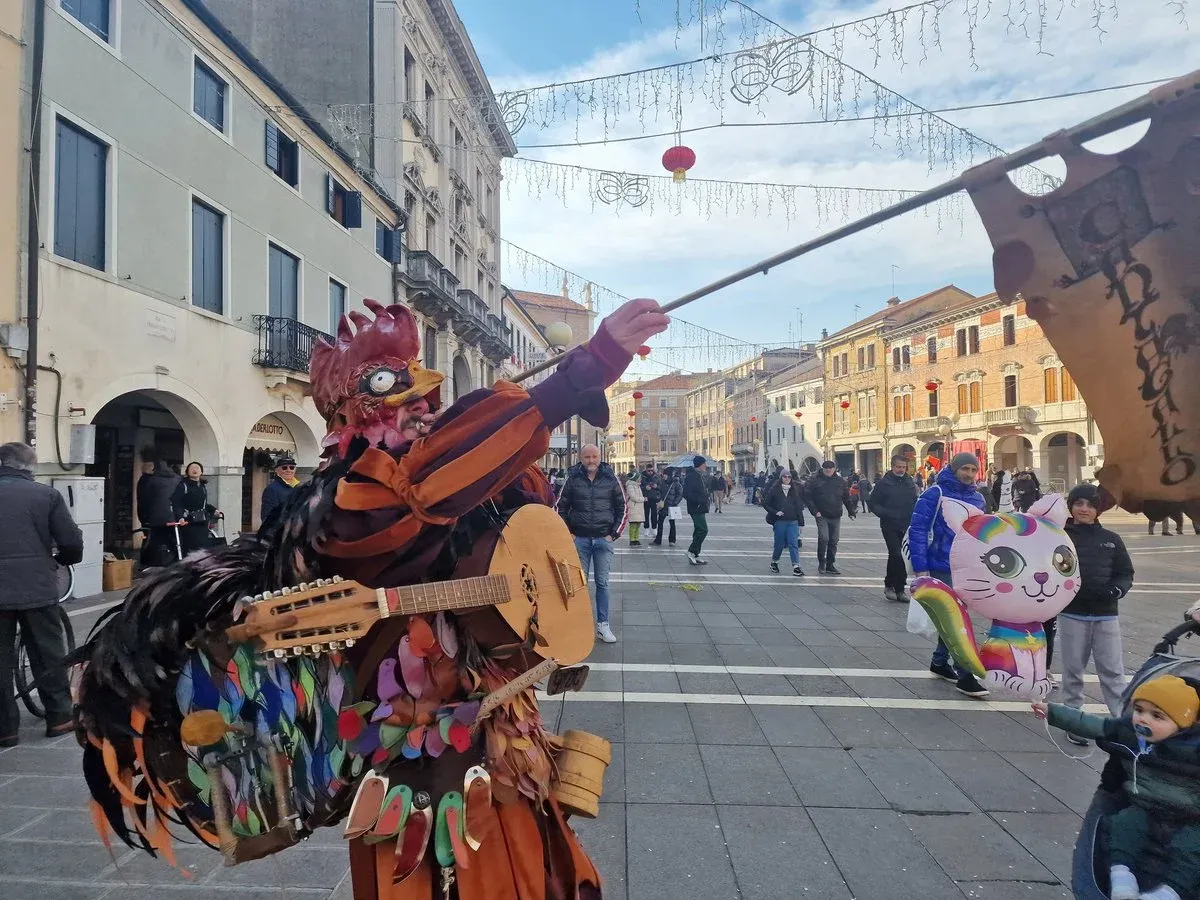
pixel 26 684
pixel 66 583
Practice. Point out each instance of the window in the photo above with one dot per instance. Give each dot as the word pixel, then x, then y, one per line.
pixel 907 407
pixel 80 196
pixel 933 404
pixel 430 348
pixel 208 96
pixel 1068 386
pixel 1050 385
pixel 283 301
pixel 662 402
pixel 895 359
pixel 662 445
pixel 862 358
pixel 1009 324
pixel 431 234
pixel 960 341
pixel 430 112
pixel 1010 390
pixel 343 206
pixel 964 404
pixel 337 304
pixel 208 258
pixel 820 427
pixel 845 363
pixel 905 357
pixel 283 155
pixel 931 349
pixel 674 445
pixel 389 242
pixel 976 396
pixel 973 338
pixel 410 85
pixel 793 400
pixel 897 409
pixel 645 445
pixel 871 356
pixel 92 14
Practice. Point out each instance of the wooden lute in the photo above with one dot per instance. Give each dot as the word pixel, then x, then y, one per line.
pixel 534 583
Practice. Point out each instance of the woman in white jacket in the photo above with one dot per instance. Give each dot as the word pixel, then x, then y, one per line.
pixel 634 499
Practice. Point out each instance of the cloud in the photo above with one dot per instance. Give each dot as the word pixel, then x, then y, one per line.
pixel 666 255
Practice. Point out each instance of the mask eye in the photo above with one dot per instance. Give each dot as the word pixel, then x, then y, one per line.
pixel 1064 560
pixel 381 381
pixel 1004 562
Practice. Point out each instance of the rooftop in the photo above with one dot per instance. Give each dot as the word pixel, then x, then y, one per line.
pixel 909 311
pixel 805 370
pixel 673 382
pixel 548 301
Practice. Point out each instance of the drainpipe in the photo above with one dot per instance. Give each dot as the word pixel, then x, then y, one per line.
pixel 33 237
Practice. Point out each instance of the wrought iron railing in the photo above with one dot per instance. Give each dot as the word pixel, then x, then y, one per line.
pixel 285 343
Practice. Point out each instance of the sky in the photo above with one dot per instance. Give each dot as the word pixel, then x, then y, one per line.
pixel 666 249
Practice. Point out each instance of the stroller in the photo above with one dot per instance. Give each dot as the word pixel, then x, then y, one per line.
pixel 1089 875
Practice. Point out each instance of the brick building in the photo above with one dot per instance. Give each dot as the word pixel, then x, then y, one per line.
pixel 659 426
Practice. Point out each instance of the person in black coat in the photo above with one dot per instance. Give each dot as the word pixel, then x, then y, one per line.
pixel 1025 490
pixel 154 492
pixel 695 492
pixel 784 505
pixel 892 501
pixel 652 493
pixel 825 497
pixel 279 489
pixel 672 495
pixel 190 504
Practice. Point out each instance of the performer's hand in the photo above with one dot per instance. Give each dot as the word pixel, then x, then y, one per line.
pixel 635 322
pixel 1040 709
pixel 416 419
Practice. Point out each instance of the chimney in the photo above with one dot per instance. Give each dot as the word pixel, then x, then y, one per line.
pixel 824 333
pixel 893 301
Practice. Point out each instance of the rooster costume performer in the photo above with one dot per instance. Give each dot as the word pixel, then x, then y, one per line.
pixel 350 662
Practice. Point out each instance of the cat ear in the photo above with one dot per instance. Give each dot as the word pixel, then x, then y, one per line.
pixel 956 514
pixel 1052 507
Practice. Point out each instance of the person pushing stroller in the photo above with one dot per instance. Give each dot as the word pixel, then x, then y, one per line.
pixel 1165 790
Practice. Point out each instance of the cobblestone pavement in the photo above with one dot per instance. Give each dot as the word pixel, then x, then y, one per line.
pixel 773 737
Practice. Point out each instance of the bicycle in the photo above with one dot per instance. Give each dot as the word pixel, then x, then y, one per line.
pixel 25 682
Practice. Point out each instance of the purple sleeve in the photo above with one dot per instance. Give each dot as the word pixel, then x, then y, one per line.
pixel 577 386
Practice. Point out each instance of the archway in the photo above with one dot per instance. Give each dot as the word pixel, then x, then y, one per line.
pixel 908 451
pixel 133 430
pixel 462 377
pixel 274 435
pixel 811 465
pixel 1013 451
pixel 1064 455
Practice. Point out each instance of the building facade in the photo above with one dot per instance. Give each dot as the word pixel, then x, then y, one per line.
pixel 795 417
pixel 982 377
pixel 14 36
pixel 657 430
pixel 856 376
pixel 708 418
pixel 188 266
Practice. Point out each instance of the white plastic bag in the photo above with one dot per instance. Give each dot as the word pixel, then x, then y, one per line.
pixel 674 512
pixel 919 621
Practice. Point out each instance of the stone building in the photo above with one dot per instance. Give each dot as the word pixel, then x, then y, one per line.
pixel 795 416
pixel 13 183
pixel 857 380
pixel 659 423
pixel 708 418
pixel 980 376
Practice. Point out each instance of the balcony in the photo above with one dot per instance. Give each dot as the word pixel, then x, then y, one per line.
pixel 1062 411
pixel 899 428
pixel 285 344
pixel 497 340
pixel 741 449
pixel 1010 415
pixel 470 316
pixel 929 425
pixel 430 286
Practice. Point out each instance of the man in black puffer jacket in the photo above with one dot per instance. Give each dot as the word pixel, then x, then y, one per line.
pixel 893 500
pixel 1089 626
pixel 593 506
pixel 825 496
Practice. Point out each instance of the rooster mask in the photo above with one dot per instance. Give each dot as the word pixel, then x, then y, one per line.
pixel 362 382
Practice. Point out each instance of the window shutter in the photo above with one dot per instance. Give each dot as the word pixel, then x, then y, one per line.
pixel 395 245
pixel 352 210
pixel 329 193
pixel 272 146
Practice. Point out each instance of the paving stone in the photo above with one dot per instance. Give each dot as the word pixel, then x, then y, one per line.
pixel 199 862
pixel 817 637
pixel 930 729
pixel 710 606
pixel 60 825
pixel 879 857
pixel 47 891
pixel 1048 836
pixel 973 847
pixel 655 682
pixel 865 686
pixel 828 776
pixel 992 783
pixel 604 838
pixel 80 862
pixel 764 685
pixel 688 634
pixel 1015 890
pixel 20 818
pixel 778 855
pixel 820 686
pixel 910 782
pixel 720 724
pixel 302 867
pixel 720 620
pixel 40 760
pixel 861 639
pixel 746 775
pixel 636 652
pixel 605 718
pixel 651 634
pixel 51 792
pixel 678 853
pixel 695 654
pixel 846 657
pixel 663 723
pixel 753 620
pixel 861 727
pixel 1066 779
pixel 743 655
pixel 801 657
pixel 675 605
pixel 732 636
pixel 774 636
pixel 642 618
pixel 793 726
pixel 604 681
pixel 672 619
pixel 999 733
pixel 707 683
pixel 660 773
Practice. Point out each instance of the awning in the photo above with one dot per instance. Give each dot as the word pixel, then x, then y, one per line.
pixel 269 433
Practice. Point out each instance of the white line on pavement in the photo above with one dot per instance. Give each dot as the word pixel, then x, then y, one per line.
pixel 818 671
pixel 99 607
pixel 780 700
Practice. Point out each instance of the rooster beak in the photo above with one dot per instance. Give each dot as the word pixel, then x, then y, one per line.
pixel 426 383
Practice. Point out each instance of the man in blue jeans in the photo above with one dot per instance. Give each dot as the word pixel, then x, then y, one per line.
pixel 929 539
pixel 593 506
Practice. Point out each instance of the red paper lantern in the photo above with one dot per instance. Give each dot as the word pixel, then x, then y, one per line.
pixel 632 413
pixel 638 395
pixel 799 414
pixel 643 351
pixel 677 160
pixel 931 386
pixel 845 404
pixel 754 418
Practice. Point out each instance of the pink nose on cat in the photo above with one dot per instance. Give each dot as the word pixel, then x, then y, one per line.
pixel 1041 577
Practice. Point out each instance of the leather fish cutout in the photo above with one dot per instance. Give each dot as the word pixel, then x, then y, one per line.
pixel 393 815
pixel 364 811
pixel 414 838
pixel 477 806
pixel 447 840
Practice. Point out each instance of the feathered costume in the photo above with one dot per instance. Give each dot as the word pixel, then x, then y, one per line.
pixel 183 727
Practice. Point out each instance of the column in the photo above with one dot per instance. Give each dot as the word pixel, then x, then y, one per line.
pixel 225 493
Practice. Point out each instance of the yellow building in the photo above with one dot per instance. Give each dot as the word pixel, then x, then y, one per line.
pixel 981 377
pixel 12 207
pixel 857 380
pixel 708 420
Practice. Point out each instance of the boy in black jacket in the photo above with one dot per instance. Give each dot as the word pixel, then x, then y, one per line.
pixel 1089 626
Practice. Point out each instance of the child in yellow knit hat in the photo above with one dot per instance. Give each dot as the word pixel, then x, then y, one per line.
pixel 1158 732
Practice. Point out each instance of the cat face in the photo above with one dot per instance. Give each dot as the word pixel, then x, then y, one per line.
pixel 1014 567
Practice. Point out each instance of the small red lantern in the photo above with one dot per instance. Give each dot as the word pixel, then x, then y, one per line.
pixel 754 418
pixel 677 160
pixel 799 414
pixel 931 386
pixel 632 413
pixel 643 351
pixel 638 395
pixel 845 404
